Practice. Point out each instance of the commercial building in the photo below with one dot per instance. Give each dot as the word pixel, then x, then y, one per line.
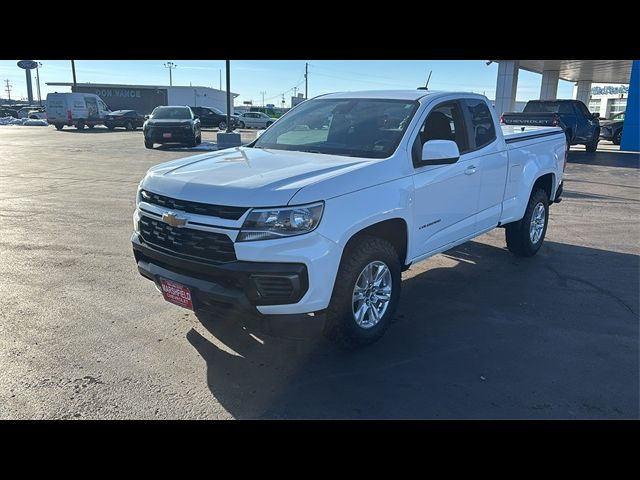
pixel 607 99
pixel 144 98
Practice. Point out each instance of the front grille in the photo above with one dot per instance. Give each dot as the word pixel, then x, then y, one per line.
pixel 220 211
pixel 215 247
pixel 273 286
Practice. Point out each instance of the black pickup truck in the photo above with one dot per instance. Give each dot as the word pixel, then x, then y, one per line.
pixel 579 125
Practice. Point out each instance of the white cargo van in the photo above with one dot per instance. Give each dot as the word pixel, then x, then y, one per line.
pixel 75 109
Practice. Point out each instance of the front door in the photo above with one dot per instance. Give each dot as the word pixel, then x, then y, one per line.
pixel 92 108
pixel 446 196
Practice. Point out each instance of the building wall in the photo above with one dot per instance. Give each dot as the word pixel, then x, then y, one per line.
pixel 198 97
pixel 608 99
pixel 144 100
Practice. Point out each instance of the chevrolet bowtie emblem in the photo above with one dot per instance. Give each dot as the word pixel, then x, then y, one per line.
pixel 173 220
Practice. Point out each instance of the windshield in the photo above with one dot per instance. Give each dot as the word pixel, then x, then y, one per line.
pixel 174 113
pixel 359 127
pixel 618 117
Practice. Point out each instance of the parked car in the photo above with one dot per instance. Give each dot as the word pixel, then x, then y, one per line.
pixel 8 112
pixel 579 124
pixel 255 120
pixel 23 112
pixel 172 125
pixel 211 117
pixel 39 113
pixel 76 109
pixel 611 129
pixel 325 220
pixel 127 119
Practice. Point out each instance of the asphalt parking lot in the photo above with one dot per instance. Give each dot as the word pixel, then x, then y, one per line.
pixel 479 333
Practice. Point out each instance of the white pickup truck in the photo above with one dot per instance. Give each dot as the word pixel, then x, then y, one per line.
pixel 325 209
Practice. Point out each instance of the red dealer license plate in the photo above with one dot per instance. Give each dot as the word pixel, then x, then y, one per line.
pixel 175 293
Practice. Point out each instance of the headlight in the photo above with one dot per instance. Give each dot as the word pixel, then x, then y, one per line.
pixel 186 126
pixel 267 223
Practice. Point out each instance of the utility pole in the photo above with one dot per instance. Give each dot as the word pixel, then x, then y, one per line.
pixel 8 90
pixel 170 66
pixel 38 82
pixel 228 65
pixel 263 94
pixel 283 100
pixel 295 89
pixel 220 79
pixel 73 70
pixel 306 80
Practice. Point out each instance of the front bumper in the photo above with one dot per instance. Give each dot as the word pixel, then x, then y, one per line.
pixel 241 284
pixel 156 135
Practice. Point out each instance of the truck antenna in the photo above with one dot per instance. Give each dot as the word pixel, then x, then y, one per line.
pixel 426 85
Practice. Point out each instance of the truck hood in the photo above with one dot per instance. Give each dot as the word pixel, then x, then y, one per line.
pixel 245 177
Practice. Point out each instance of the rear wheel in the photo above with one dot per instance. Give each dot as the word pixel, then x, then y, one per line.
pixel 90 126
pixel 525 237
pixel 269 124
pixel 80 125
pixel 617 138
pixel 365 295
pixel 128 126
pixel 222 126
pixel 592 146
pixel 111 127
pixel 241 124
pixel 59 126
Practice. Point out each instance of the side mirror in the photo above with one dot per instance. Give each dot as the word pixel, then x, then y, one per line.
pixel 439 152
pixel 146 117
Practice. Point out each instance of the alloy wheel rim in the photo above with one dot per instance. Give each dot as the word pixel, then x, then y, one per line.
pixel 371 294
pixel 538 220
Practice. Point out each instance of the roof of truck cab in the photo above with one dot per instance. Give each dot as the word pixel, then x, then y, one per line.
pixel 391 94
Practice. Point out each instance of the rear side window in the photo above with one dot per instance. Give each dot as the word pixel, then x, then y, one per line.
pixel 481 126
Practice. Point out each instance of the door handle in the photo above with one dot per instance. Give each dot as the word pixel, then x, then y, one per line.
pixel 470 170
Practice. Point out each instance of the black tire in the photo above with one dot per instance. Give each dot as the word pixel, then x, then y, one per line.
pixel 617 138
pixel 269 124
pixel 111 127
pixel 241 124
pixel 518 234
pixel 193 142
pixel 340 323
pixel 222 126
pixel 592 146
pixel 59 126
pixel 90 127
pixel 80 125
pixel 128 126
pixel 148 144
pixel 199 139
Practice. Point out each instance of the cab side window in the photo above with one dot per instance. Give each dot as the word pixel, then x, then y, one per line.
pixel 445 122
pixel 481 125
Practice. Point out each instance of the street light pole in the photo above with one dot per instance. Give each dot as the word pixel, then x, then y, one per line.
pixel 73 70
pixel 170 66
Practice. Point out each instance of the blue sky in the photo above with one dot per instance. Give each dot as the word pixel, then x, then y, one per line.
pixel 251 77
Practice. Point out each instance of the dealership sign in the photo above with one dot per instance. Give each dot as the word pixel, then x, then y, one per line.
pixel 27 64
pixel 609 90
pixel 117 92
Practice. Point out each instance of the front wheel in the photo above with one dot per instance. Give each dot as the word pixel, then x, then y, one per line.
pixel 148 143
pixel 128 126
pixel 222 126
pixel 592 146
pixel 199 139
pixel 525 237
pixel 366 293
pixel 241 124
pixel 59 126
pixel 617 138
pixel 80 125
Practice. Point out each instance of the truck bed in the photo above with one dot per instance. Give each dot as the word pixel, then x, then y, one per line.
pixel 514 134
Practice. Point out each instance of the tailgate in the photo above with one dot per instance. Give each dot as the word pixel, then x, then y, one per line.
pixel 515 134
pixel 534 119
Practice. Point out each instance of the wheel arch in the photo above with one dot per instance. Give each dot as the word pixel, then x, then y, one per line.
pixel 394 230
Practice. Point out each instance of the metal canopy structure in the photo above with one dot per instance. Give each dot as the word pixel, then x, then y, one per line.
pixel 596 71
